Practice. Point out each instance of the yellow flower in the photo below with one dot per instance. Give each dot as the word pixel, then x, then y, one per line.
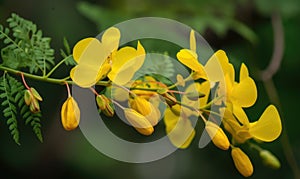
pixel 217 135
pixel 238 94
pixel 178 127
pixel 147 109
pixel 242 162
pixel 267 128
pixel 138 121
pixel 189 58
pixel 93 57
pixel 70 114
pixel 96 60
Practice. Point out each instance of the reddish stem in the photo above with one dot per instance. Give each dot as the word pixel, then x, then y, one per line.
pixel 94 91
pixel 24 82
pixel 68 89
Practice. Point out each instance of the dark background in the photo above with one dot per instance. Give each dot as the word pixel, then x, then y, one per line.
pixel 242 28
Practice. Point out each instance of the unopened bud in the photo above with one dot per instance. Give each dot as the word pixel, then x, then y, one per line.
pixel 138 121
pixel 269 159
pixel 27 97
pixel 144 107
pixel 70 114
pixel 101 102
pixel 36 94
pixel 242 162
pixel 171 100
pixel 217 135
pixel 109 111
pixel 34 106
pixel 104 105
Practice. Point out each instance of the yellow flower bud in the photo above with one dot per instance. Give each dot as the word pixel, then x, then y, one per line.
pixel 242 162
pixel 145 108
pixel 217 135
pixel 269 159
pixel 138 121
pixel 70 114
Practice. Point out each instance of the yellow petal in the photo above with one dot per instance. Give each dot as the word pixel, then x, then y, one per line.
pixel 245 92
pixel 190 59
pixel 127 61
pixel 80 47
pixel 243 72
pixel 204 88
pixel 180 130
pixel 240 114
pixel 217 66
pixel 268 127
pixel 111 38
pixel 89 64
pixel 192 41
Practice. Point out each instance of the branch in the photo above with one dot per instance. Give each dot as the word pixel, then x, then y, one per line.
pixel 278 50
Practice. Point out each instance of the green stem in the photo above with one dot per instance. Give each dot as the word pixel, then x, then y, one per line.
pixel 57 65
pixel 185 80
pixel 45 79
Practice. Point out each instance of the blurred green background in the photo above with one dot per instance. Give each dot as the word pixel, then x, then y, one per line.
pixel 242 28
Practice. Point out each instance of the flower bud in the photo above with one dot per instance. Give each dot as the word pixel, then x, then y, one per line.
pixel 27 97
pixel 138 121
pixel 269 159
pixel 145 108
pixel 242 162
pixel 101 102
pixel 171 100
pixel 104 105
pixel 217 135
pixel 70 114
pixel 31 98
pixel 36 94
pixel 109 111
pixel 34 106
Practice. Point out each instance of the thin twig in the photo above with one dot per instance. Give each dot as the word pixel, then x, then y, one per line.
pixel 278 50
pixel 267 78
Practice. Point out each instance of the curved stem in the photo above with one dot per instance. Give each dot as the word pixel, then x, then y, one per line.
pixel 24 82
pixel 56 66
pixel 68 89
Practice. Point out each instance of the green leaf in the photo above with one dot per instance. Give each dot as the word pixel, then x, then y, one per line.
pixel 26 48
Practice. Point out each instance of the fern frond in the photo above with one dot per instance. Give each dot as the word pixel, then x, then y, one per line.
pixel 25 46
pixel 9 89
pixel 34 119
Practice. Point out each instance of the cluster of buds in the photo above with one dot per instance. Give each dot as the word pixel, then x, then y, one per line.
pixel 105 105
pixel 32 98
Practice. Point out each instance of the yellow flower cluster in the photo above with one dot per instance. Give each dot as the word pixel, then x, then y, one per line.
pixel 98 60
